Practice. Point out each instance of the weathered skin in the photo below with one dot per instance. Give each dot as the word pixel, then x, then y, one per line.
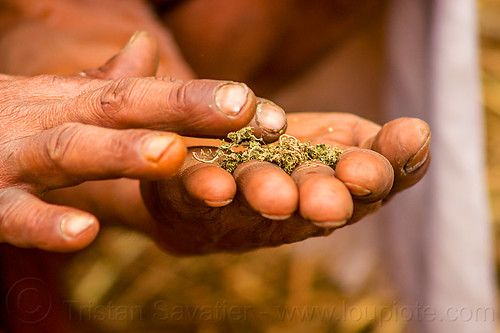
pixel 321 202
pixel 60 131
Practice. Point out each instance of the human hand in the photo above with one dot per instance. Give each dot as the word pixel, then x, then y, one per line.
pixel 212 210
pixel 58 132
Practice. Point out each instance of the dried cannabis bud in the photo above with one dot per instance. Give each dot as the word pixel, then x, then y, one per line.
pixel 287 153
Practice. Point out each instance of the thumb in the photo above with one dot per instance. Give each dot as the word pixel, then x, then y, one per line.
pixel 138 58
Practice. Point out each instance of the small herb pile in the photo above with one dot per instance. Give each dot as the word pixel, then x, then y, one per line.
pixel 287 153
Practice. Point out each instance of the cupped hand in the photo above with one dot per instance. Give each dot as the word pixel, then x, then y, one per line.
pixel 57 132
pixel 205 209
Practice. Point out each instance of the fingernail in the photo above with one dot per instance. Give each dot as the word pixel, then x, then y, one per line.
pixel 357 190
pixel 218 203
pixel 231 97
pixel 270 117
pixel 275 217
pixel 329 224
pixel 155 146
pixel 138 34
pixel 135 37
pixel 72 225
pixel 417 160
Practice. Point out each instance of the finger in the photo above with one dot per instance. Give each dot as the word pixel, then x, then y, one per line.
pixel 208 182
pixel 267 189
pixel 138 58
pixel 324 199
pixel 72 153
pixel 269 121
pixel 405 142
pixel 193 108
pixel 333 128
pixel 27 221
pixel 368 175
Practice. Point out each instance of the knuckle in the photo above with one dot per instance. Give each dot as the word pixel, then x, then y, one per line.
pixel 178 98
pixel 119 101
pixel 61 143
pixel 116 96
pixel 118 148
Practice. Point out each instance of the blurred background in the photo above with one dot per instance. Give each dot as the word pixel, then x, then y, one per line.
pixel 123 283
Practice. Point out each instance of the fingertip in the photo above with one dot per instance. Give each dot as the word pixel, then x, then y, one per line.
pixel 419 158
pixel 78 230
pixel 139 57
pixel 269 122
pixel 236 102
pixel 33 223
pixel 211 184
pixel 329 224
pixel 323 199
pixel 267 189
pixel 209 108
pixel 367 174
pixel 405 142
pixel 217 203
pixel 231 98
pixel 165 151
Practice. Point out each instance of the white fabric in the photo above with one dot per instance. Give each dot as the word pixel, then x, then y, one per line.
pixel 436 237
pixel 442 249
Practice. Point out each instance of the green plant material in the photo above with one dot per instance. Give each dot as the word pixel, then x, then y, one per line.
pixel 288 152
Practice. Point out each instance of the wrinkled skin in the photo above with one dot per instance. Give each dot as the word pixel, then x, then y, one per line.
pixel 313 201
pixel 57 132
